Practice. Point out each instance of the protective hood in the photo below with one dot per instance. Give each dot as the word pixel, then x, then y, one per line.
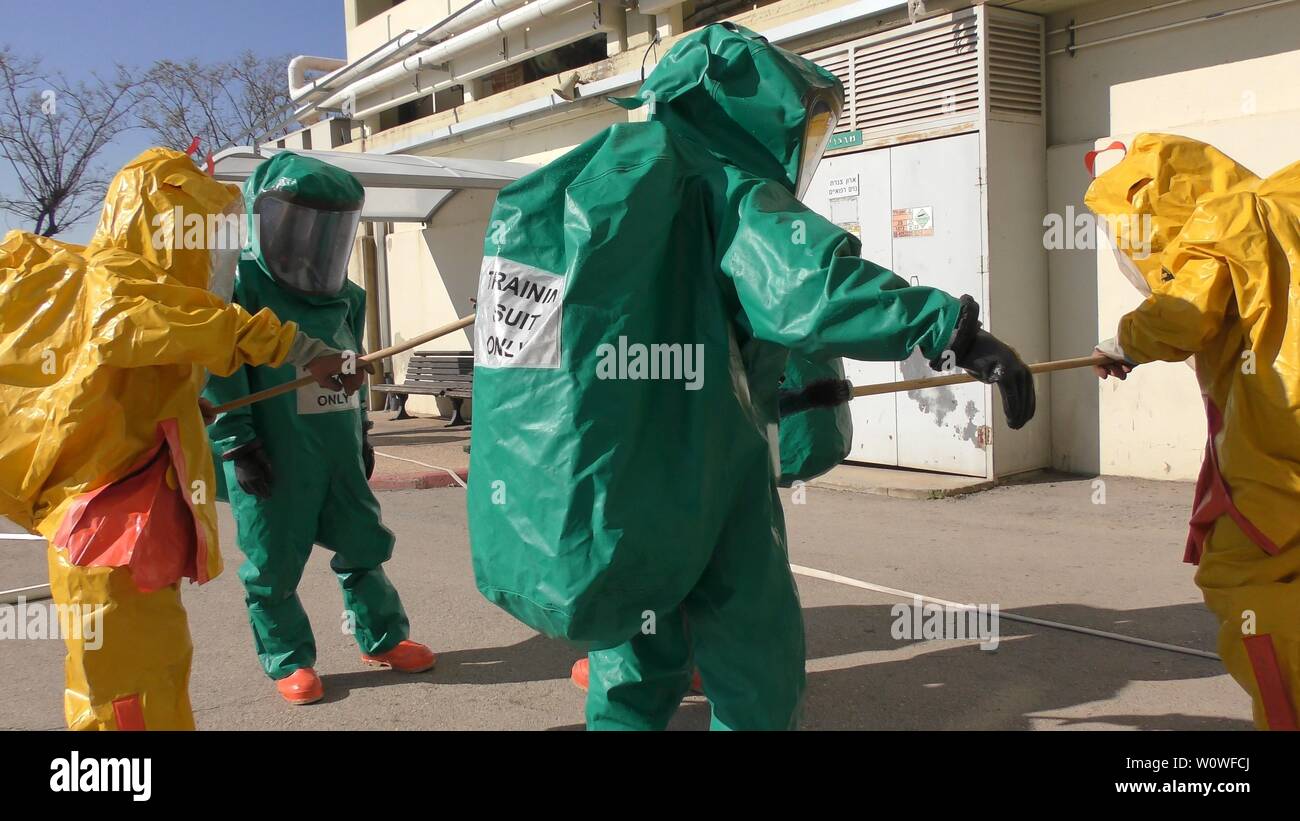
pixel 748 102
pixel 1147 198
pixel 102 351
pixel 162 208
pixel 303 217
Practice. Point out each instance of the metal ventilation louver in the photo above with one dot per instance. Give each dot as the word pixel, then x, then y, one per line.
pixel 836 61
pixel 919 74
pixel 1015 67
pixel 940 71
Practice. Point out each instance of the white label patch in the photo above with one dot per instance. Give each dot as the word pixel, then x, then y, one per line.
pixel 315 399
pixel 839 187
pixel 520 313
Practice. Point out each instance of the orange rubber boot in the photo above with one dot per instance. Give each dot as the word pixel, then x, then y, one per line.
pixel 581 676
pixel 407 657
pixel 302 686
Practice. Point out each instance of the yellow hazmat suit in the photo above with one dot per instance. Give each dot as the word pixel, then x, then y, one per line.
pixel 1225 290
pixel 102 444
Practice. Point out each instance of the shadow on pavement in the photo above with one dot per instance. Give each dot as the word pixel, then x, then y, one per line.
pixel 339 685
pixel 1037 673
pixel 535 659
pixel 1047 477
pixel 397 438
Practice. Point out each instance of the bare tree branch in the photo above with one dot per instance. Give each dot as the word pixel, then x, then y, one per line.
pixel 51 133
pixel 220 103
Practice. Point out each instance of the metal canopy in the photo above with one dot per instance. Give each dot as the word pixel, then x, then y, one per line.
pixel 399 187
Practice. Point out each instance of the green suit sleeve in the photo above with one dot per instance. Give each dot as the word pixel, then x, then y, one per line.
pixel 802 285
pixel 235 427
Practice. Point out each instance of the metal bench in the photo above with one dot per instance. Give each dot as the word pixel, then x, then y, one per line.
pixel 435 373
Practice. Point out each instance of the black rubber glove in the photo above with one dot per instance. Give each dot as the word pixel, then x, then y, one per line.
pixel 252 468
pixel 992 361
pixel 822 393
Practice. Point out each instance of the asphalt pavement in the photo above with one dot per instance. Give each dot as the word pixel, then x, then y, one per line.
pixel 1043 549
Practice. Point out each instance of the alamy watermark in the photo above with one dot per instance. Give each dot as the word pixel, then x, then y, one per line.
pixel 670 362
pixel 195 231
pixel 929 621
pixel 47 620
pixel 1083 231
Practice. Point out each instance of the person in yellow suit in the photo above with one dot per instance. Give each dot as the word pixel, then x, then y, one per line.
pixel 1226 291
pixel 103 352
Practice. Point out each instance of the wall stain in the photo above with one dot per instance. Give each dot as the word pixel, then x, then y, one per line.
pixel 937 402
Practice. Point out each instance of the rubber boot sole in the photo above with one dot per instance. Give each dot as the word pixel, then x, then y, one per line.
pixel 383 665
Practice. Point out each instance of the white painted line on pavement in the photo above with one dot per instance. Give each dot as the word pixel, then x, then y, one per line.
pixel 455 477
pixel 34 593
pixel 813 573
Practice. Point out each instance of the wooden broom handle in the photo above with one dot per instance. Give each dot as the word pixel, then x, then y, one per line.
pixel 861 390
pixel 384 353
pixel 962 378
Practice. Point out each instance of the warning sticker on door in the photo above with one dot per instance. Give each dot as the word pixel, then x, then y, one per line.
pixel 519 317
pixel 913 222
pixel 315 399
pixel 844 213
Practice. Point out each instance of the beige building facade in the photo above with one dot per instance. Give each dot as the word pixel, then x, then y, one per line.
pixel 1008 98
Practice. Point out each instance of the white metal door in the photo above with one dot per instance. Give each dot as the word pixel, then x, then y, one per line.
pixel 937 240
pixel 852 190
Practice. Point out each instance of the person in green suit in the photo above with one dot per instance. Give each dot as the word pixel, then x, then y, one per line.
pixel 296 465
pixel 638 301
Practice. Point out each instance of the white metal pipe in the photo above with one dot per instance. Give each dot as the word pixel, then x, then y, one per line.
pixel 459 22
pixel 468 18
pixel 1216 15
pixel 1087 23
pixel 325 84
pixel 779 35
pixel 442 52
pixel 303 63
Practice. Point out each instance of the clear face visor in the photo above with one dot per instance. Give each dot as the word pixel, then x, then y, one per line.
pixel 223 255
pixel 305 248
pixel 1124 259
pixel 823 115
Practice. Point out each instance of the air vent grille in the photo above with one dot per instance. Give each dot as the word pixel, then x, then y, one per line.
pixel 940 70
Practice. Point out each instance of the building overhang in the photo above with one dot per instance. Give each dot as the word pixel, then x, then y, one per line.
pixel 399 187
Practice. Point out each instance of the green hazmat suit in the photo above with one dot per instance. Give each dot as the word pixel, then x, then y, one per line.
pixel 638 300
pixel 813 441
pixel 311 436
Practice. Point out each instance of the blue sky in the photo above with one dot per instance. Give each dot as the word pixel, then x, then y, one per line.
pixel 78 37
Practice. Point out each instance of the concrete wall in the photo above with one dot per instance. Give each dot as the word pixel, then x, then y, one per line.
pixel 1018 299
pixel 432 275
pixel 1225 81
pixel 537 141
pixel 382 24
